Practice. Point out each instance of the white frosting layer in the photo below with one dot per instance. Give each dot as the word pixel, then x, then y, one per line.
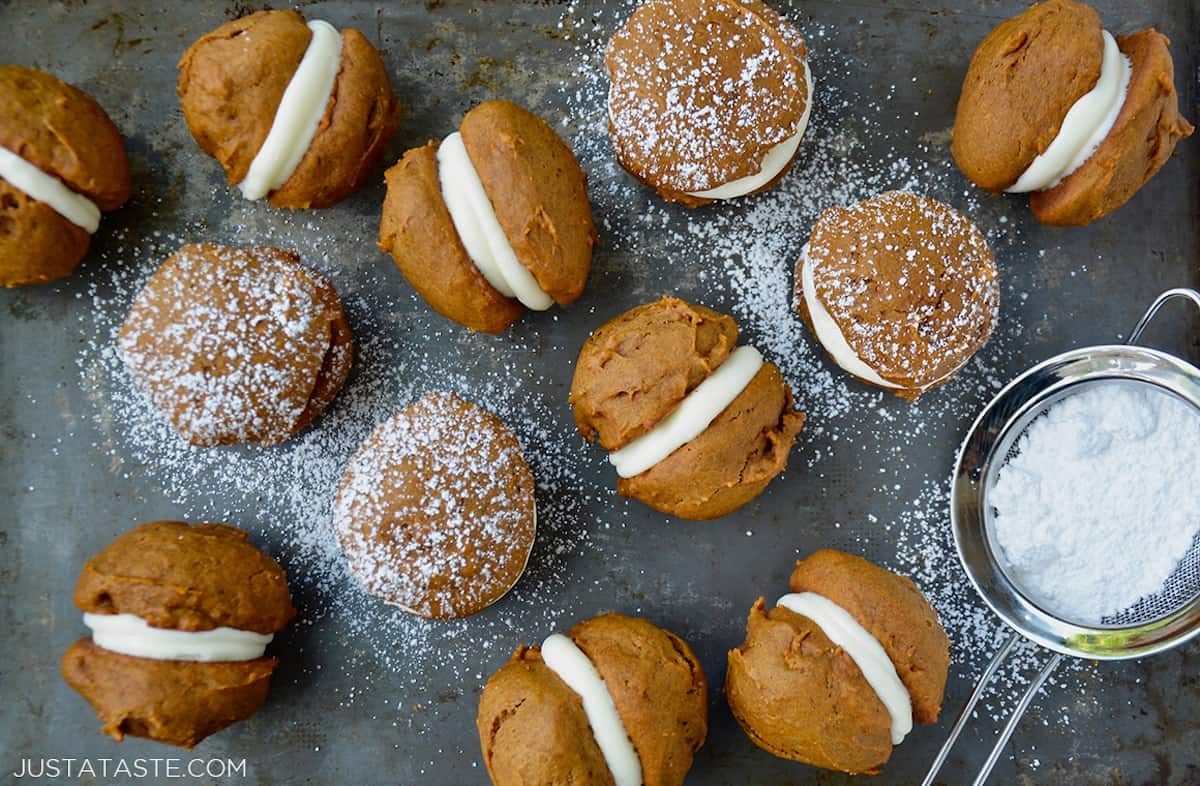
pixel 565 659
pixel 869 655
pixel 299 113
pixel 688 420
pixel 1083 129
pixel 475 221
pixel 129 634
pixel 828 332
pixel 35 183
pixel 773 162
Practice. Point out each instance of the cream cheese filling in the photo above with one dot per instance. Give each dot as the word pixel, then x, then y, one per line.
pixel 564 658
pixel 299 113
pixel 863 648
pixel 475 220
pixel 129 634
pixel 694 414
pixel 36 184
pixel 1086 124
pixel 773 162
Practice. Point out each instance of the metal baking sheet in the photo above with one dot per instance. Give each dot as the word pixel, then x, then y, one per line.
pixel 366 695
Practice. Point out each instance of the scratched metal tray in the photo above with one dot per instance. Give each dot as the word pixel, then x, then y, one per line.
pixel 365 695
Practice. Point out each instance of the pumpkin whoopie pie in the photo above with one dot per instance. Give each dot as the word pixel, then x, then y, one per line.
pixel 294 112
pixel 709 99
pixel 236 345
pixel 617 700
pixel 901 290
pixel 492 220
pixel 436 511
pixel 835 674
pixel 62 163
pixel 1055 105
pixel 180 617
pixel 695 426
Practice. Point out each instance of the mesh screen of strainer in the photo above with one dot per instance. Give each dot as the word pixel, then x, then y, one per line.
pixel 1181 587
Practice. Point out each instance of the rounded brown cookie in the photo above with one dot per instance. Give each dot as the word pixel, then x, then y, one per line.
pixel 701 91
pixel 533 728
pixel 362 116
pixel 539 196
pixel 538 192
pixel 416 229
pixel 1023 79
pixel 63 132
pixel 800 696
pixel 173 702
pixel 232 80
pixel 187 577
pixel 236 345
pixel 617 395
pixel 1140 142
pixel 435 512
pixel 637 368
pixel 910 283
pixel 36 243
pixel 732 460
pixel 892 610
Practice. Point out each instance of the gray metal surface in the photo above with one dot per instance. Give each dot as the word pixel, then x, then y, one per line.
pixel 364 695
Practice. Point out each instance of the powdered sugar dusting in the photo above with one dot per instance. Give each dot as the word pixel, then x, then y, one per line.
pixel 228 343
pixel 910 281
pixel 1131 451
pixel 701 90
pixel 435 513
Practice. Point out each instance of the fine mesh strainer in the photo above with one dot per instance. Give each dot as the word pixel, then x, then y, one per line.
pixel 1157 622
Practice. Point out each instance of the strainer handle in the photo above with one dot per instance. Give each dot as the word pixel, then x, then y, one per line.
pixel 1170 294
pixel 997 660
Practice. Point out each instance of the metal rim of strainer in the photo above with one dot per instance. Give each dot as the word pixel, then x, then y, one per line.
pixel 985 450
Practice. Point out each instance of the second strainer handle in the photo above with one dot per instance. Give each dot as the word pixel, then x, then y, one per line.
pixel 1170 294
pixel 997 661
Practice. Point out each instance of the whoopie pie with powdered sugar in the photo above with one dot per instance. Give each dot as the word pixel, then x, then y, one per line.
pixel 901 290
pixel 436 511
pixel 1056 106
pixel 180 617
pixel 695 425
pixel 62 162
pixel 236 345
pixel 835 674
pixel 492 220
pixel 709 99
pixel 617 700
pixel 294 112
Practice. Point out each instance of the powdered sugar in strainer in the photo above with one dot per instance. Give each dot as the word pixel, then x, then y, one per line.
pixel 1159 621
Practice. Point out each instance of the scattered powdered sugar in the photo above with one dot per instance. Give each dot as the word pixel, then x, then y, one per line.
pixel 1099 504
pixel 285 493
pixel 435 513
